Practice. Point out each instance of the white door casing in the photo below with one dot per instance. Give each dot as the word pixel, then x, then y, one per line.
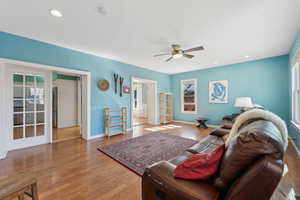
pixel 152 100
pixel 3 135
pixel 4 116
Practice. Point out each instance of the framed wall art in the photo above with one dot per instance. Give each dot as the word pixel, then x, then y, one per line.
pixel 218 91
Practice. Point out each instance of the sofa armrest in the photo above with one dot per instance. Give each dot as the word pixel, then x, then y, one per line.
pixel 158 182
pixel 220 132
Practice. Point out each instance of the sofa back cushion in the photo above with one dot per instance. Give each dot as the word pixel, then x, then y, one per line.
pixel 258 182
pixel 253 141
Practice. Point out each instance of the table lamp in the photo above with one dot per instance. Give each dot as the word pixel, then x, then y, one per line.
pixel 244 103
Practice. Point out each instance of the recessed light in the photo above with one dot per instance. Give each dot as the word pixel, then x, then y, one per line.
pixel 55 13
pixel 247 56
pixel 215 62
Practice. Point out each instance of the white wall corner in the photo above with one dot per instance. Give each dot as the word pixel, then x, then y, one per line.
pixel 3 155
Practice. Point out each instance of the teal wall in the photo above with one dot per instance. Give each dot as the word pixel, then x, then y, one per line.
pixel 265 81
pixel 293 131
pixel 24 49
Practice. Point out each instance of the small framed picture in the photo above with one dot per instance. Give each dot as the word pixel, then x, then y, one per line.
pixel 126 90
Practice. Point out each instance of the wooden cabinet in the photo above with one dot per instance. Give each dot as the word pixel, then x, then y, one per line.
pixel 166 107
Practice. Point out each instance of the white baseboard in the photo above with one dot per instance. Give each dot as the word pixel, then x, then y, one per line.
pixel 96 136
pixel 3 155
pixel 195 123
pixel 102 135
pixel 185 122
pixel 213 126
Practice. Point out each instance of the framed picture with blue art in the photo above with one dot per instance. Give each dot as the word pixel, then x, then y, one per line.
pixel 218 91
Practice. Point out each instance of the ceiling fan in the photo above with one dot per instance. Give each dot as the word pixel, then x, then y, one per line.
pixel 178 52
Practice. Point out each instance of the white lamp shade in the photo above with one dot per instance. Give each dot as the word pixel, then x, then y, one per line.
pixel 243 102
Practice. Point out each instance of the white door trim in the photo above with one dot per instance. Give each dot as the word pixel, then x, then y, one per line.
pixel 155 95
pixel 86 135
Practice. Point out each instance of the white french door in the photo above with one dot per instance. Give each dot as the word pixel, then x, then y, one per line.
pixel 28 107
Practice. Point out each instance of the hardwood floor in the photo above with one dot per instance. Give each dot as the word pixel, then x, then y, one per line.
pixel 76 170
pixel 63 134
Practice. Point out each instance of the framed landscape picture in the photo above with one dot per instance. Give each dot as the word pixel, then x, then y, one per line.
pixel 189 96
pixel 218 91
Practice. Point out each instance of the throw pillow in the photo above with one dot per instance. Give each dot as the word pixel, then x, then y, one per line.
pixel 200 166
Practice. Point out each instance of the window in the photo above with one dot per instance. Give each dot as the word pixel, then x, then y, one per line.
pixel 296 93
pixel 189 96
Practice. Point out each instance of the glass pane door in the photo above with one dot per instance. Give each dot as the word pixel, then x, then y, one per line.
pixel 29 108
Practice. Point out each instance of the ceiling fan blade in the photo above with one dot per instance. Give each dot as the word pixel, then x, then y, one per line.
pixel 176 47
pixel 162 54
pixel 194 49
pixel 188 55
pixel 169 59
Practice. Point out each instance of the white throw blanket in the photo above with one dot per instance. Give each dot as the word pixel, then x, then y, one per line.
pixel 259 113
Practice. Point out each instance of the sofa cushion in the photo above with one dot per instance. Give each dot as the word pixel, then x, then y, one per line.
pixel 200 166
pixel 181 158
pixel 206 145
pixel 220 132
pixel 253 141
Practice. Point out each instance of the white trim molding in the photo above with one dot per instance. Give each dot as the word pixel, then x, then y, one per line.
pixel 296 57
pixel 195 123
pixel 295 125
pixel 194 81
pixel 101 135
pixel 156 114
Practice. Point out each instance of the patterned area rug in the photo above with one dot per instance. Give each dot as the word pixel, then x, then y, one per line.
pixel 137 153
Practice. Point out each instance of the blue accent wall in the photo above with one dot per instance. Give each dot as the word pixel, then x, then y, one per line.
pixel 295 133
pixel 265 81
pixel 24 49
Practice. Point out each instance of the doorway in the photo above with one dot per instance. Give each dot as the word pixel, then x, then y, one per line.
pixel 143 102
pixel 26 97
pixel 66 107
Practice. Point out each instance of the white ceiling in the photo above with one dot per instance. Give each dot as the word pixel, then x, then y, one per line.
pixel 132 31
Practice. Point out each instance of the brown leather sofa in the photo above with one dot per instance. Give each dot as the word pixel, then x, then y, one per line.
pixel 250 169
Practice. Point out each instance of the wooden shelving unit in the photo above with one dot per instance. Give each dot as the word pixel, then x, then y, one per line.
pixel 166 107
pixel 115 121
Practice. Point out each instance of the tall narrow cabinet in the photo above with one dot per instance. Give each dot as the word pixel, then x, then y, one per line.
pixel 166 107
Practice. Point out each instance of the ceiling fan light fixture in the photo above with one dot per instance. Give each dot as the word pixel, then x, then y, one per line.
pixel 179 55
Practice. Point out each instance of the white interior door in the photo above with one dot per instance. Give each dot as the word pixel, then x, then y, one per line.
pixel 84 108
pixel 151 103
pixel 28 100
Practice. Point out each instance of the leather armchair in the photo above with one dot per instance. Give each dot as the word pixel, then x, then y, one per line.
pixel 257 180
